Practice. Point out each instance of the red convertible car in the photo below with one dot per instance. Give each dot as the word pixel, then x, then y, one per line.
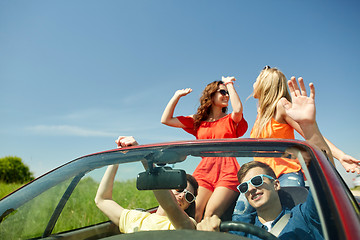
pixel 60 204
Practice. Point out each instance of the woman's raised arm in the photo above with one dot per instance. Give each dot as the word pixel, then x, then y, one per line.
pixel 167 117
pixel 236 104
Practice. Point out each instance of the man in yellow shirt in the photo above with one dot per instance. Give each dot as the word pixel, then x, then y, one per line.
pixel 171 214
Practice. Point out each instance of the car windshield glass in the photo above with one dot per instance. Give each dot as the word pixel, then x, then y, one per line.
pixel 62 202
pixel 30 219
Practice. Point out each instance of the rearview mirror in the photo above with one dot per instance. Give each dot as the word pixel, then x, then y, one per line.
pixel 161 178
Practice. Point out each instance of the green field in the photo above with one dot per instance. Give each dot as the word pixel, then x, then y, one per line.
pixel 31 219
pixel 6 188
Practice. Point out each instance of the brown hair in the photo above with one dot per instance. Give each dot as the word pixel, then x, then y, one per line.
pixel 204 109
pixel 247 166
pixel 191 179
pixel 191 209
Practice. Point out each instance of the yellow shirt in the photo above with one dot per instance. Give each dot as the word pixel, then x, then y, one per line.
pixel 134 221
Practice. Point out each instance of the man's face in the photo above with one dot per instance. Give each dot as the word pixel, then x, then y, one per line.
pixel 180 196
pixel 262 196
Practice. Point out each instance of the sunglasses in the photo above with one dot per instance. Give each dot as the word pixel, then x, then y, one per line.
pixel 256 181
pixel 189 196
pixel 223 92
pixel 266 67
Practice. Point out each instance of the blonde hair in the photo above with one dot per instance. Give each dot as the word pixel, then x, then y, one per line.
pixel 271 87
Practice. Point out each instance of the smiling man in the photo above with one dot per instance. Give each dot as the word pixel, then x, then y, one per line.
pixel 260 186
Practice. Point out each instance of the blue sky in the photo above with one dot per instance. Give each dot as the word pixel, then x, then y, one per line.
pixel 76 74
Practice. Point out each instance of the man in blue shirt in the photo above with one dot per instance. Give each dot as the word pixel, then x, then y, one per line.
pixel 304 221
pixel 260 186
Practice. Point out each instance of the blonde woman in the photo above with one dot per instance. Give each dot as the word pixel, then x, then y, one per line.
pixel 273 122
pixel 216 175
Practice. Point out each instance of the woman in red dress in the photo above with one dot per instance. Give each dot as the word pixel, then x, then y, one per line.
pixel 216 175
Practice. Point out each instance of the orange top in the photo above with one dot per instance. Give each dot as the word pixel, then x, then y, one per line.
pixel 279 165
pixel 224 127
pixel 278 130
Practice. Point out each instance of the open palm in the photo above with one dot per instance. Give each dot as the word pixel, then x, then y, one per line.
pixel 302 109
pixel 183 92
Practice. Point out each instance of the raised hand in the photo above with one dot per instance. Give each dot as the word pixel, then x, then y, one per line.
pixel 126 141
pixel 302 109
pixel 226 80
pixel 183 92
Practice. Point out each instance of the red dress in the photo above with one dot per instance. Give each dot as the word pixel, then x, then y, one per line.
pixel 214 172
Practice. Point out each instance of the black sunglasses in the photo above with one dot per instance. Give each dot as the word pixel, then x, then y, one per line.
pixel 223 92
pixel 256 181
pixel 266 67
pixel 189 196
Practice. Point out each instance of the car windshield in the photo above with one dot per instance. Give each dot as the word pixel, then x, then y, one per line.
pixel 62 201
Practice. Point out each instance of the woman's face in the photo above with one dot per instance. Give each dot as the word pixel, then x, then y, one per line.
pixel 180 196
pixel 221 97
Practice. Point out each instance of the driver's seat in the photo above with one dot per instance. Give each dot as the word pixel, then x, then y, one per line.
pixel 292 196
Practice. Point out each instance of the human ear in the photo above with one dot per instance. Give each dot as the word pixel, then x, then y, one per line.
pixel 277 185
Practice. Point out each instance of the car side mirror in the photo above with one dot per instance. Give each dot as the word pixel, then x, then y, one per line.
pixel 161 178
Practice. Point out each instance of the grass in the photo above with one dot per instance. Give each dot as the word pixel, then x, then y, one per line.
pixel 6 188
pixel 31 219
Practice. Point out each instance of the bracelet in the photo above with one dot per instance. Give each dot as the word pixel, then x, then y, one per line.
pixel 229 82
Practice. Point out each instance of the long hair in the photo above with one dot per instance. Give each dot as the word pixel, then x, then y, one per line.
pixel 191 209
pixel 271 87
pixel 204 109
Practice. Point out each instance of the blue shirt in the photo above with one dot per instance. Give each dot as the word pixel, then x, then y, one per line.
pixel 304 222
